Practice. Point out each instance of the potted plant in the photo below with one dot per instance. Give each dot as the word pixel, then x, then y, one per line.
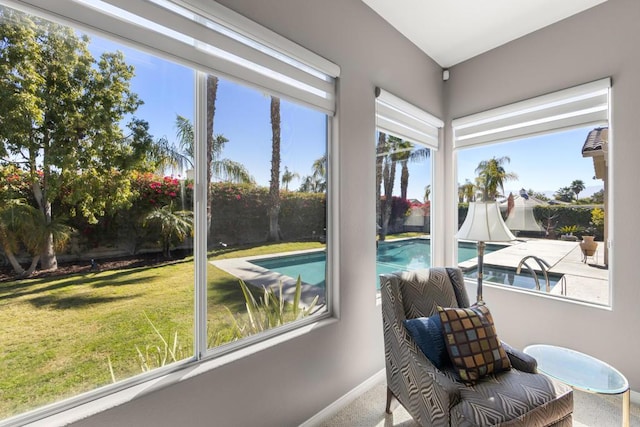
pixel 566 232
pixel 588 244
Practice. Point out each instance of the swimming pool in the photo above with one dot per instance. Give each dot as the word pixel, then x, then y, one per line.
pixel 508 277
pixel 410 254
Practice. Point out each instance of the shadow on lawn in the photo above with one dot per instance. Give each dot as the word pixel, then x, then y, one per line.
pixel 74 302
pixel 95 280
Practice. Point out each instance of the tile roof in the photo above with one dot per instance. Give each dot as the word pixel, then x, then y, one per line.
pixel 595 139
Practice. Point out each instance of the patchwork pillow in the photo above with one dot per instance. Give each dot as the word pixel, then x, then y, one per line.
pixel 427 333
pixel 472 342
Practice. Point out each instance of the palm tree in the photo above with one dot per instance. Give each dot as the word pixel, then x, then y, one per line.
pixel 23 225
pixel 577 186
pixel 274 184
pixel 390 159
pixel 288 176
pixel 319 175
pixel 165 154
pixel 406 153
pixel 223 169
pixel 466 191
pixel 492 175
pixel 427 192
pixel 564 194
pixel 381 148
pixel 402 154
pixel 217 168
pixel 13 221
pixel 174 225
pixel 389 151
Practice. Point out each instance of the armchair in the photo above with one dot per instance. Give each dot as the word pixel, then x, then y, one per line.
pixel 436 397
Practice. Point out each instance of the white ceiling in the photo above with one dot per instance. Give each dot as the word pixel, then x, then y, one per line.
pixel 452 31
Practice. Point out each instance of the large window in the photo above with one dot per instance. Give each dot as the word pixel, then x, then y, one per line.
pixel 406 139
pixel 162 199
pixel 544 161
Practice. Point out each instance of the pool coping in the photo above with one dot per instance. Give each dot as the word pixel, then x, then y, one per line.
pixel 260 277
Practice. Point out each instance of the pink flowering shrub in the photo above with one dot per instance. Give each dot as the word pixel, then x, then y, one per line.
pixel 155 190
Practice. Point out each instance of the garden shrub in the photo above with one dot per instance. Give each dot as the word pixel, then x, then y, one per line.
pixel 564 216
pixel 302 215
pixel 240 214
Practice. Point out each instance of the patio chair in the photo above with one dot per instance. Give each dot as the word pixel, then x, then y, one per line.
pixel 436 396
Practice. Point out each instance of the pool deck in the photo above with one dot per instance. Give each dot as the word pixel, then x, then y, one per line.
pixel 584 281
pixel 257 276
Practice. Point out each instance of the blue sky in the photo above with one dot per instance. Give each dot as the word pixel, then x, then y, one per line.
pixel 242 115
pixel 543 163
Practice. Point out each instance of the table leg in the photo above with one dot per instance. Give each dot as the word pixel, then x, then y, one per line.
pixel 626 408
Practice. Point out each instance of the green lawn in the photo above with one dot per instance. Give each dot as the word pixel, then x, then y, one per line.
pixel 57 335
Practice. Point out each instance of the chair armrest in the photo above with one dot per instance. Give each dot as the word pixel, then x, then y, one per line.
pixel 450 387
pixel 520 360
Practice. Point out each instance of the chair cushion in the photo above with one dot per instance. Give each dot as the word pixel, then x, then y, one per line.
pixel 513 398
pixel 427 333
pixel 472 342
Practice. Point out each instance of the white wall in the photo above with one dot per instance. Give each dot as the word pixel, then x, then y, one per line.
pixel 287 384
pixel 600 42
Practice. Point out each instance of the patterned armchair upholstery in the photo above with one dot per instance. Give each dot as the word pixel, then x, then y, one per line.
pixel 433 397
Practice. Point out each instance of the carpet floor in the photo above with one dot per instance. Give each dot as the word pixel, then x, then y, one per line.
pixel 590 410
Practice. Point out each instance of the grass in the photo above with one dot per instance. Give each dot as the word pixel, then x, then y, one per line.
pixel 58 335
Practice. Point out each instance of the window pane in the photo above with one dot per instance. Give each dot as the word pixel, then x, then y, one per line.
pixel 403 186
pixel 267 206
pixel 552 193
pixel 96 221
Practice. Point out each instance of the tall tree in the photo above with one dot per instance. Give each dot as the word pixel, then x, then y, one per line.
pixel 389 156
pixel 381 147
pixel 274 184
pixel 288 176
pixel 492 175
pixel 406 153
pixel 564 194
pixel 577 186
pixel 217 168
pixel 61 111
pixel 466 192
pixel 212 93
pixel 598 197
pixel 317 181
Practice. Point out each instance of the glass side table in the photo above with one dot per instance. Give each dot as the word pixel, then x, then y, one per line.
pixel 582 372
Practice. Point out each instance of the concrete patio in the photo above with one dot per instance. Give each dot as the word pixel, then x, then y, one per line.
pixel 260 277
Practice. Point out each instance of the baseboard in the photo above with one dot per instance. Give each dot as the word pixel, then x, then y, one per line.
pixel 344 401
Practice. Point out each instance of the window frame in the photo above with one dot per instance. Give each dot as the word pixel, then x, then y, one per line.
pixel 203 359
pixel 402 119
pixel 583 99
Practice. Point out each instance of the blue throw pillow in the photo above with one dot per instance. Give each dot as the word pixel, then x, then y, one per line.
pixel 427 333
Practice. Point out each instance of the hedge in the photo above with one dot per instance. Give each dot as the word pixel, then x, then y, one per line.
pixel 240 214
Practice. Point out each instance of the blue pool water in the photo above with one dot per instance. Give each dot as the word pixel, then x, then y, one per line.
pixel 507 277
pixel 392 256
